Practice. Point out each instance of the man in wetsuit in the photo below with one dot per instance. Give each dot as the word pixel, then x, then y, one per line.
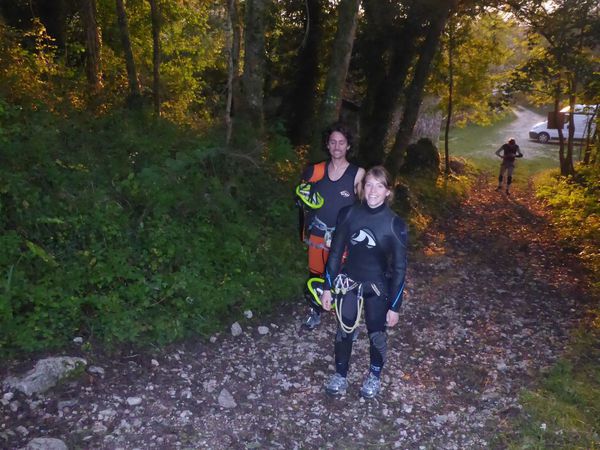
pixel 508 152
pixel 338 185
pixel 375 239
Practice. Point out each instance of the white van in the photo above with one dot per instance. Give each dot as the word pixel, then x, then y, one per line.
pixel 584 117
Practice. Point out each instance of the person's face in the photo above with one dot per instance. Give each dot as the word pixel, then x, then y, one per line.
pixel 375 192
pixel 337 145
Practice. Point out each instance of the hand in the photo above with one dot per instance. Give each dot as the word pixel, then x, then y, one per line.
pixel 326 300
pixel 391 318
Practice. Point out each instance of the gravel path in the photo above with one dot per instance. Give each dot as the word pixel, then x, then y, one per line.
pixel 490 301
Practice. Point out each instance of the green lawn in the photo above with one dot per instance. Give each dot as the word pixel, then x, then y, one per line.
pixel 478 144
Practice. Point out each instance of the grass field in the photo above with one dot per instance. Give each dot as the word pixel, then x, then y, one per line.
pixel 478 144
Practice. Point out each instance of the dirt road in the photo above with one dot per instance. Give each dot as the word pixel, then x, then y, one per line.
pixel 490 302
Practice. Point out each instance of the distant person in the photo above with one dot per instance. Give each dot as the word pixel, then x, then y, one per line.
pixel 336 181
pixel 371 278
pixel 508 152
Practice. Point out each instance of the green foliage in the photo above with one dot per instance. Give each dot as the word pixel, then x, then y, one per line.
pixel 421 198
pixel 482 45
pixel 576 211
pixel 563 412
pixel 125 229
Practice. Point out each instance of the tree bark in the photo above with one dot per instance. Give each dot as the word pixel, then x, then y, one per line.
pixel 132 77
pixel 384 87
pixel 561 138
pixel 155 17
pixel 414 92
pixel 302 102
pixel 251 109
pixel 338 69
pixel 569 168
pixel 93 44
pixel 450 100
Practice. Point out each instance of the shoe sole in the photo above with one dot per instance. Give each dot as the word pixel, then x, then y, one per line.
pixel 335 393
pixel 368 396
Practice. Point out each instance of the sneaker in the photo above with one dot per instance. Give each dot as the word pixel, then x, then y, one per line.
pixel 313 320
pixel 498 188
pixel 336 385
pixel 371 386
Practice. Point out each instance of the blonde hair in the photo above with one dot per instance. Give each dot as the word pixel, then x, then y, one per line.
pixel 380 174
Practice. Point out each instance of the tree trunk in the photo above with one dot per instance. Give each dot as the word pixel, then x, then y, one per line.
pixel 414 93
pixel 155 16
pixel 561 137
pixel 569 168
pixel 234 34
pixel 93 44
pixel 384 87
pixel 450 99
pixel 338 69
pixel 251 109
pixel 302 102
pixel 132 78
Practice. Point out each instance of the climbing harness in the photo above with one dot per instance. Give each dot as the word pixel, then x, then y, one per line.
pixel 342 285
pixel 318 224
pixel 313 200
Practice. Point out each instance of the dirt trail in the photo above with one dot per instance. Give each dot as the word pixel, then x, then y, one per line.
pixel 490 302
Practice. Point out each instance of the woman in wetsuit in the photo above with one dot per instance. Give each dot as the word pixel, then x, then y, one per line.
pixel 375 239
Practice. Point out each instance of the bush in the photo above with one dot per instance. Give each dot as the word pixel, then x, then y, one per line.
pixel 127 230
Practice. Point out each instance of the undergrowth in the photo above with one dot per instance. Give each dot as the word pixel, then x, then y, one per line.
pixel 564 410
pixel 127 229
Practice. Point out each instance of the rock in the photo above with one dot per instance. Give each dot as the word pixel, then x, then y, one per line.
pixel 213 339
pixel 236 329
pixel 263 330
pixel 154 363
pixel 248 314
pixel 226 400
pixel 46 373
pixel 95 370
pixel 6 398
pixel 45 444
pixel 78 340
pixel 134 401
pixel 99 428
pixel 66 404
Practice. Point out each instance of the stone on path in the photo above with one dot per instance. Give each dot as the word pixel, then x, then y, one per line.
pixel 46 373
pixel 45 444
pixel 236 329
pixel 226 400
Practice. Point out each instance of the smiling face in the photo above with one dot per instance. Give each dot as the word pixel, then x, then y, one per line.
pixel 375 191
pixel 337 145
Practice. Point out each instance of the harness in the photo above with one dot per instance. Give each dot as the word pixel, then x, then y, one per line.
pixel 320 225
pixel 342 285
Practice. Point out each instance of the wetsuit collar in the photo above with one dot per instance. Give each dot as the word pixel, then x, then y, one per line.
pixel 374 210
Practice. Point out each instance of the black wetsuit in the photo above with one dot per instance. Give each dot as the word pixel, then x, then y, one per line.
pixel 376 242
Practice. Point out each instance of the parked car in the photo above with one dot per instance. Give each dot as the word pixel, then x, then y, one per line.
pixel 584 117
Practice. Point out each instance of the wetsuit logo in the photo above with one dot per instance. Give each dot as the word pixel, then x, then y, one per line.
pixel 345 194
pixel 363 235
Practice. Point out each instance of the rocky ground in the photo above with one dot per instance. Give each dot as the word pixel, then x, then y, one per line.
pixel 490 300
